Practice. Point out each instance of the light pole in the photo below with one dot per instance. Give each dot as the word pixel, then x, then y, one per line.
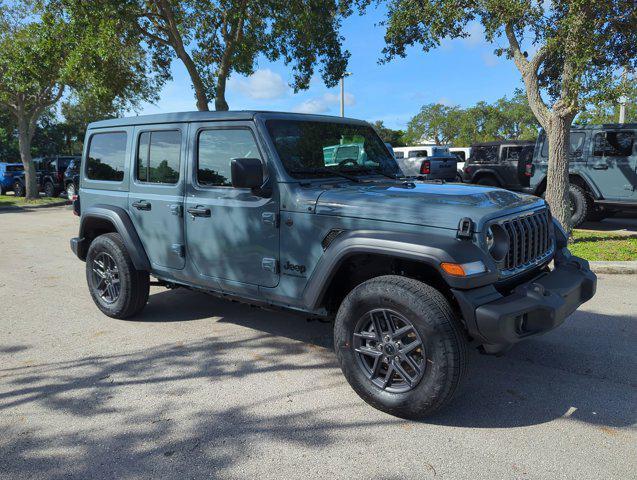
pixel 346 74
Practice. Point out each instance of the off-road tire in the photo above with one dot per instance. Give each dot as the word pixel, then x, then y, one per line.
pixel 443 337
pixel 3 191
pixel 70 190
pixel 49 189
pixel 581 203
pixel 488 181
pixel 19 190
pixel 134 284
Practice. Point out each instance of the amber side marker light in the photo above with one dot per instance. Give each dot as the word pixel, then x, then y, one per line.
pixel 463 269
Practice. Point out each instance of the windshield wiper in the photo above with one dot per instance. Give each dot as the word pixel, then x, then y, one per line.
pixel 328 171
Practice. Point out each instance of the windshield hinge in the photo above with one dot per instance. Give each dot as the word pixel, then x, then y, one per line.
pixel 465 228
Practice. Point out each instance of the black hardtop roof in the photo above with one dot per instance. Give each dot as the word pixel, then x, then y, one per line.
pixel 503 142
pixel 605 126
pixel 196 116
pixel 600 126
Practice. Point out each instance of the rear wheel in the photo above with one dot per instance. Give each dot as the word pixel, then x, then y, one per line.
pixel 488 181
pixel 18 189
pixel 400 346
pixel 49 189
pixel 118 289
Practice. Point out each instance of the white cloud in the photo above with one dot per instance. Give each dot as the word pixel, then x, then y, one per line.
pixel 474 38
pixel 261 85
pixel 445 101
pixel 323 103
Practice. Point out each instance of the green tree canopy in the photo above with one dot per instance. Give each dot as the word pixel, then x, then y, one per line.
pixel 45 55
pixel 505 119
pixel 388 135
pixel 215 38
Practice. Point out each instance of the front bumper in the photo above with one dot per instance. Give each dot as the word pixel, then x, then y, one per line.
pixel 498 321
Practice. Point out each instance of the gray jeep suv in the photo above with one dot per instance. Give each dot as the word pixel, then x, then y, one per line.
pixel 603 170
pixel 252 206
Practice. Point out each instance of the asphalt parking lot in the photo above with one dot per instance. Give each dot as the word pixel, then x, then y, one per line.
pixel 203 388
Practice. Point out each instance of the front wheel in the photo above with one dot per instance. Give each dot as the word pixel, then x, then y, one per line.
pixel 118 289
pixel 19 190
pixel 400 346
pixel 581 204
pixel 70 190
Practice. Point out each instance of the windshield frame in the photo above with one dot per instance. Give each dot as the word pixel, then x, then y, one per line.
pixel 284 170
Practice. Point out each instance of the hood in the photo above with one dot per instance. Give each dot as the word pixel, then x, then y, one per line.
pixel 430 204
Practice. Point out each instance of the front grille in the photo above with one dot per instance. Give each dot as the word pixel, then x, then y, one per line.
pixel 529 239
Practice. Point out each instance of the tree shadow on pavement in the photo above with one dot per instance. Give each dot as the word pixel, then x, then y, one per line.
pixel 196 409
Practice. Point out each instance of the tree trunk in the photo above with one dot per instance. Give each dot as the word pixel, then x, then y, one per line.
pixel 557 180
pixel 197 83
pixel 24 143
pixel 220 98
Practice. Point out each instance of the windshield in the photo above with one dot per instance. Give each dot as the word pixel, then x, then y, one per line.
pixel 309 148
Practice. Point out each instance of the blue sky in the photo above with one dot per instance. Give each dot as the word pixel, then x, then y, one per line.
pixel 460 72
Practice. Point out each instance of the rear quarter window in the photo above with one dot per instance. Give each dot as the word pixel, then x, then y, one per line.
pixel 106 157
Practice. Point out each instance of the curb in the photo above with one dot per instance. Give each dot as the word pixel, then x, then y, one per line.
pixel 17 208
pixel 621 268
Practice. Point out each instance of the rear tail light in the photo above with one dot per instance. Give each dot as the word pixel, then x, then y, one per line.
pixel 467 169
pixel 425 167
pixel 76 205
pixel 528 170
pixel 60 176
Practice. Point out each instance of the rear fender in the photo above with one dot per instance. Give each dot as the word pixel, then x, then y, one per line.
pixel 97 217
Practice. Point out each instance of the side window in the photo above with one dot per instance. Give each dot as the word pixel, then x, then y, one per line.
pixel 216 148
pixel 106 157
pixel 614 144
pixel 460 155
pixel 158 155
pixel 417 154
pixel 577 145
pixel 399 154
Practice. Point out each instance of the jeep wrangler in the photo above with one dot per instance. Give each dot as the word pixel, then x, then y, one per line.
pixel 602 170
pixel 252 206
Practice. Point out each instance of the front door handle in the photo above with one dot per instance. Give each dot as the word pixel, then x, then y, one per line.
pixel 199 211
pixel 141 205
pixel 600 167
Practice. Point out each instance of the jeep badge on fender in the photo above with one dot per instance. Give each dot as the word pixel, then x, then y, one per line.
pixel 411 272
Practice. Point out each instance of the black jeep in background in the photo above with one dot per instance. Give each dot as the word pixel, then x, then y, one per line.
pixel 50 173
pixel 505 164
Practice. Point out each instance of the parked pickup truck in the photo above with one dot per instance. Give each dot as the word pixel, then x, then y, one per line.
pixel 252 206
pixel 440 166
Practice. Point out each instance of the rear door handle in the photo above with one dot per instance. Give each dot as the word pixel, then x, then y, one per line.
pixel 199 211
pixel 141 205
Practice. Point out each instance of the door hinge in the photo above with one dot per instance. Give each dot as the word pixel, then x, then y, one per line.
pixel 178 249
pixel 270 218
pixel 270 265
pixel 176 210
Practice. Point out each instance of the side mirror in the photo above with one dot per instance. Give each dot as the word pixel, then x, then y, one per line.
pixel 246 172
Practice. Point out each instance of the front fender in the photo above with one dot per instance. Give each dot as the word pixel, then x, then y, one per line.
pixel 430 249
pixel 117 217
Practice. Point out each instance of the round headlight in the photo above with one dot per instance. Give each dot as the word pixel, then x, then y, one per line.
pixel 497 242
pixel 490 238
